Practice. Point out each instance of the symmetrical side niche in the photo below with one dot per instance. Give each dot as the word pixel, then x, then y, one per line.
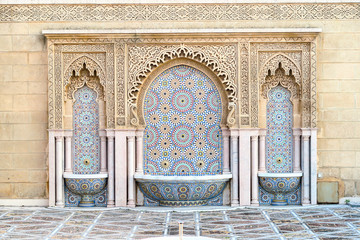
pixel 273 79
pixel 298 68
pixel 78 79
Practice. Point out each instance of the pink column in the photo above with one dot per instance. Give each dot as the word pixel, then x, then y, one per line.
pixel 245 166
pixel 103 168
pixel 297 134
pixel 226 159
pixel 254 170
pixel 121 166
pixel 131 170
pixel 111 197
pixel 59 171
pixel 234 168
pixel 52 169
pixel 139 151
pixel 262 159
pixel 68 150
pixel 306 169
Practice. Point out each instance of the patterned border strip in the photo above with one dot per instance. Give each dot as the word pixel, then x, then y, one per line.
pixel 178 12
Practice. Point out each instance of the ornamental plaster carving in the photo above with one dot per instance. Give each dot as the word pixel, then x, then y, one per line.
pixel 68 56
pixel 291 79
pixel 280 77
pixel 296 56
pixel 178 12
pixel 83 77
pixel 241 64
pixel 73 80
pixel 221 59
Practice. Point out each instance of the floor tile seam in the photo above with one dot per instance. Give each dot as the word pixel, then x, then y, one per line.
pixel 273 226
pixel 347 223
pixel 5 213
pixel 308 229
pixel 167 222
pixel 92 225
pixel 8 231
pixel 60 226
pixel 134 228
pixel 228 226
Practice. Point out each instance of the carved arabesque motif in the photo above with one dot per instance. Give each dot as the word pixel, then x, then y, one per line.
pixel 296 56
pixel 136 57
pixel 83 77
pixel 271 76
pixel 67 56
pixel 73 80
pixel 221 59
pixel 280 77
pixel 178 12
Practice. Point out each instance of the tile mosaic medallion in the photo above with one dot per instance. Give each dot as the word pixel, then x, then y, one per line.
pixel 182 113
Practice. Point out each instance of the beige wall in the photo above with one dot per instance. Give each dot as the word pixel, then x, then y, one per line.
pixel 23 95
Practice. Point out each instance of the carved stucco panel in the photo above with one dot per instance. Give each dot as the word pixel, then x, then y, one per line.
pixel 71 57
pixel 73 82
pixel 295 54
pixel 221 59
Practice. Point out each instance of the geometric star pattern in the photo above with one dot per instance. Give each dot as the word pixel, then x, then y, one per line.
pixel 182 110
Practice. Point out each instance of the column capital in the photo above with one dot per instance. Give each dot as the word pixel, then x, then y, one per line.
pixel 306 132
pixel 139 133
pixel 262 132
pixel 234 133
pixel 68 133
pixel 296 131
pixel 254 138
pixel 110 133
pixel 59 137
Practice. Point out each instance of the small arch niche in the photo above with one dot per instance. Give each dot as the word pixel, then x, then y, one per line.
pixel 287 82
pixel 88 79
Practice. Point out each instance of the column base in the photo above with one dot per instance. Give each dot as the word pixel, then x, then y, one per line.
pixel 234 203
pixel 59 204
pixel 255 203
pixel 110 204
pixel 131 204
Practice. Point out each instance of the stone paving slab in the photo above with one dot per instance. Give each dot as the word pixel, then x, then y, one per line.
pixel 315 222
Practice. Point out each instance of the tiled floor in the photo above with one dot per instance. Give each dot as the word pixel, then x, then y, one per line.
pixel 319 222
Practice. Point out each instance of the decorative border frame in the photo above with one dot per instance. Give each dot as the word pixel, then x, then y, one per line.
pixel 236 60
pixel 178 12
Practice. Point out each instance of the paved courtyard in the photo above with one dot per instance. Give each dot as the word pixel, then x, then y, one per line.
pixel 319 222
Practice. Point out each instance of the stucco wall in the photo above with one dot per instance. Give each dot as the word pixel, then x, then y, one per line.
pixel 23 94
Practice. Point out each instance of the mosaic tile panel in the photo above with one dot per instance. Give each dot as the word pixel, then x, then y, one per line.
pixel 291 198
pixel 86 140
pixel 182 112
pixel 73 200
pixel 279 122
pixel 184 193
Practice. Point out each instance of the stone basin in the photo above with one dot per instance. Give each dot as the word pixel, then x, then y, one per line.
pixel 279 184
pixel 176 191
pixel 86 185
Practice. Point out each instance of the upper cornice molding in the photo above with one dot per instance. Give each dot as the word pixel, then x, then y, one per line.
pixel 218 32
pixel 170 1
pixel 47 11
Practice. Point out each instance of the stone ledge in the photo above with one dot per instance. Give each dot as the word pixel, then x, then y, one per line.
pixel 169 1
pixel 24 202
